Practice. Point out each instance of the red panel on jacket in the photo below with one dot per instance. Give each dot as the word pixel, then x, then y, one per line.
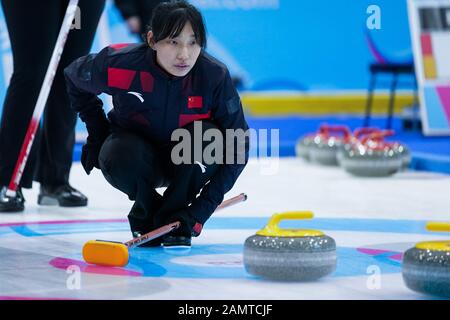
pixel 188 118
pixel 120 78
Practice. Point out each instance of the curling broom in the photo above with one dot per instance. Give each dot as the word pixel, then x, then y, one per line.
pixel 115 254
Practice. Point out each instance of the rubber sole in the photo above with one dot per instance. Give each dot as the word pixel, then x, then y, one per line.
pixel 12 210
pixel 50 201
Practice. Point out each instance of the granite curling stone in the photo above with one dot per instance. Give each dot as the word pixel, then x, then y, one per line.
pixel 372 157
pixel 398 147
pixel 327 142
pixel 289 254
pixel 404 153
pixel 426 267
pixel 302 146
pixel 355 139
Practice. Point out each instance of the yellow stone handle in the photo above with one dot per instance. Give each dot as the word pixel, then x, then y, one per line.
pixel 436 245
pixel 438 226
pixel 272 228
pixel 290 215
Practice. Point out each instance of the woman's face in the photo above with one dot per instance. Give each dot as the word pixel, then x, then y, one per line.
pixel 177 55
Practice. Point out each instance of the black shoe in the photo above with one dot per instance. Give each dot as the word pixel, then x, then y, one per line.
pixel 11 204
pixel 152 243
pixel 64 196
pixel 173 241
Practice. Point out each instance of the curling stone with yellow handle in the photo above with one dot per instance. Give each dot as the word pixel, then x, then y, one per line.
pixel 289 254
pixel 426 267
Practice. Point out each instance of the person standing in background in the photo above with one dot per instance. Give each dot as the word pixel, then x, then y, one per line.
pixel 33 27
pixel 137 13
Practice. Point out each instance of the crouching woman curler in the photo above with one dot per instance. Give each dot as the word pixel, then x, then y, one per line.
pixel 167 87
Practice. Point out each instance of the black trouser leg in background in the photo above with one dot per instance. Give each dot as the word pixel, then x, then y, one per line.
pixel 31 48
pixel 33 28
pixel 58 131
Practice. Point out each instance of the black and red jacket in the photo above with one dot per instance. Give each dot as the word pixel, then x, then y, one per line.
pixel 148 101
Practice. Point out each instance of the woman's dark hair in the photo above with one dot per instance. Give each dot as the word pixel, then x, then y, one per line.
pixel 169 18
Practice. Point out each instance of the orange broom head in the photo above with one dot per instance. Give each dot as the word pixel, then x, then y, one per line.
pixel 105 253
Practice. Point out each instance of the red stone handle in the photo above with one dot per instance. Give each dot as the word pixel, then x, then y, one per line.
pixel 378 136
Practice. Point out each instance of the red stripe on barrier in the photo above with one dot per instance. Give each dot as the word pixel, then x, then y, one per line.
pixel 427 47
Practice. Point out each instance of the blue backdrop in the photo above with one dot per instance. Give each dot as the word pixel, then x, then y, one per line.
pixel 278 44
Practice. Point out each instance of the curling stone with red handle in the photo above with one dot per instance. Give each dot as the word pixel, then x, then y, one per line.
pixel 326 144
pixel 373 157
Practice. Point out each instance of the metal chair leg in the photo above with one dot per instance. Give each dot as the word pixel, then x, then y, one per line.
pixel 391 101
pixel 369 100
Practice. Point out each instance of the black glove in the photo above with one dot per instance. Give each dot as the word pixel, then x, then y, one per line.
pixel 98 129
pixel 89 156
pixel 189 226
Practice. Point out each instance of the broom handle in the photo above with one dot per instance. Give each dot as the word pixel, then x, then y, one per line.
pixel 239 198
pixel 174 225
pixel 42 99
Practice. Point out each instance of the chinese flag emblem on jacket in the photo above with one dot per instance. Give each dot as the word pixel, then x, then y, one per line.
pixel 195 102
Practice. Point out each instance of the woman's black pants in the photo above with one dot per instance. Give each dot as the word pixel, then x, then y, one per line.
pixel 137 167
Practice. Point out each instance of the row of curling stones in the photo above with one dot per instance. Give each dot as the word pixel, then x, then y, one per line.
pixel 365 153
pixel 322 146
pixel 289 254
pixel 426 267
